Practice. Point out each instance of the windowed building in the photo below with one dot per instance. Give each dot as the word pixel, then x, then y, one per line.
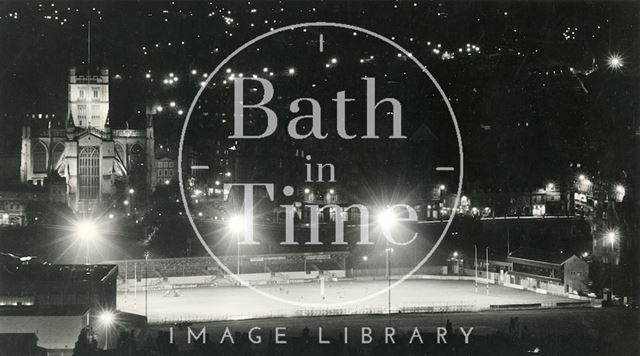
pixel 85 150
pixel 556 272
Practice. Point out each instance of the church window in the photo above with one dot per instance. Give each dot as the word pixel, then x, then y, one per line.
pixel 89 172
pixel 136 149
pixel 39 158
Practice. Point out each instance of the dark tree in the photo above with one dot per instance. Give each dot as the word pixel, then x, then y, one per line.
pixel 87 345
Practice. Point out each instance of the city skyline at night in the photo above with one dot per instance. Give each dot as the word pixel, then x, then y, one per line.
pixel 192 167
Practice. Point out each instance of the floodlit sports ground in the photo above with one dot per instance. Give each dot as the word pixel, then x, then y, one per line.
pixel 224 303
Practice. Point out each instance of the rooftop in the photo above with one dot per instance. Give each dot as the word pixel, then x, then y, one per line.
pixel 20 271
pixel 534 254
pixel 63 310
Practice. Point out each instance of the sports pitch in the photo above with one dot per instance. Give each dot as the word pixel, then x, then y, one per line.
pixel 232 303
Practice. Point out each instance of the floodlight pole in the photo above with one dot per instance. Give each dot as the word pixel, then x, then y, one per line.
pixel 146 284
pixel 135 285
pixel 475 248
pixel 487 270
pixel 238 254
pixel 388 251
pixel 611 268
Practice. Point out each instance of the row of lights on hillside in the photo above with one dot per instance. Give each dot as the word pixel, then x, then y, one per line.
pixel 619 188
pixel 308 191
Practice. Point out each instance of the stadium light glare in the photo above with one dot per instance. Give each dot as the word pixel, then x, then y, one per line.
pixel 236 223
pixel 86 229
pixel 386 219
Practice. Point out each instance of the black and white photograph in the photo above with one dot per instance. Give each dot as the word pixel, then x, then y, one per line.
pixel 319 177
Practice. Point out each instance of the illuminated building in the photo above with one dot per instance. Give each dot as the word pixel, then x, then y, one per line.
pixel 87 152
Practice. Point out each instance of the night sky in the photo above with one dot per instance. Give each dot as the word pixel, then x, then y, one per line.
pixel 516 74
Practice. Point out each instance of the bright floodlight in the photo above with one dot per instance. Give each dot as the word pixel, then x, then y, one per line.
pixel 86 229
pixel 611 236
pixel 455 254
pixel 364 258
pixel 386 219
pixel 620 189
pixel 615 61
pixel 107 318
pixel 236 223
pixel 442 187
pixel 581 177
pixel 550 186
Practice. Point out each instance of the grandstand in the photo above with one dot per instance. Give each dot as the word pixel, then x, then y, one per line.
pixel 255 269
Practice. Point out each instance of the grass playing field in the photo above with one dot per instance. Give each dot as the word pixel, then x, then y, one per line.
pixel 229 303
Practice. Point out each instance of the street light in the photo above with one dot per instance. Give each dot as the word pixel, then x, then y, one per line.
pixel 86 230
pixel 615 61
pixel 457 258
pixel 388 252
pixel 106 319
pixel 620 192
pixel 146 284
pixel 236 225
pixel 611 236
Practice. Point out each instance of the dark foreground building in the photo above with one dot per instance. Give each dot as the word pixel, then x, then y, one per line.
pixel 55 302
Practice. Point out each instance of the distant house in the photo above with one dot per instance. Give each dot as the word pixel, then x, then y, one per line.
pixel 555 272
pixel 166 169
